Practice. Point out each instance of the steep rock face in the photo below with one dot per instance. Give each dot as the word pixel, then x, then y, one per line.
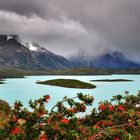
pixel 45 58
pixel 15 53
pixel 113 60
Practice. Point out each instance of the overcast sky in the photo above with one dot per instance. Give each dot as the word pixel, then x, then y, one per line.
pixel 67 27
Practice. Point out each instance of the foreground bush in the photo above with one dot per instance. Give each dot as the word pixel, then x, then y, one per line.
pixel 117 119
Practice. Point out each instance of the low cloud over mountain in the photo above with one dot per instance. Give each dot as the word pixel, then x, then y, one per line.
pixel 15 53
pixel 68 27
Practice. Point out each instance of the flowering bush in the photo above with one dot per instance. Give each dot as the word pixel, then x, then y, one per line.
pixel 117 119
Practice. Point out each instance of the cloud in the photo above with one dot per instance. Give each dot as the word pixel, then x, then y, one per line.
pixel 116 23
pixel 44 31
pixel 70 26
pixel 24 7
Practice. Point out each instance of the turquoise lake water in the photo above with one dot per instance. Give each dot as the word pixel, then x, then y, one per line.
pixel 24 89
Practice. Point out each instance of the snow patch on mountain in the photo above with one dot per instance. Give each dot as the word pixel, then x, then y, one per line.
pixel 23 44
pixel 32 47
pixel 9 37
pixel 35 47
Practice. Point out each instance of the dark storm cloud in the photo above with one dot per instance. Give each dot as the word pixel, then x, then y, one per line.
pixel 24 7
pixel 69 26
pixel 116 23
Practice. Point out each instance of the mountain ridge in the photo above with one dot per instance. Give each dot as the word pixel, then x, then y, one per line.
pixel 18 54
pixel 112 59
pixel 15 53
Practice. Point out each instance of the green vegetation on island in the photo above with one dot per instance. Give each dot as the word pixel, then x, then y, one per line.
pixel 112 80
pixel 70 83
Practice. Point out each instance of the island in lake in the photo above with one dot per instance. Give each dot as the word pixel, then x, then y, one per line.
pixel 69 83
pixel 112 80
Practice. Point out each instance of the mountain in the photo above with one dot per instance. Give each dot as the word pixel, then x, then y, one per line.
pixel 112 59
pixel 15 53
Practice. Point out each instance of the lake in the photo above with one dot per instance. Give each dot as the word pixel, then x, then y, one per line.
pixel 24 89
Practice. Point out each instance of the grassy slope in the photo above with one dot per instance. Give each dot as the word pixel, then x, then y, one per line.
pixel 94 71
pixel 11 73
pixel 70 83
pixel 20 73
pixel 4 112
pixel 80 71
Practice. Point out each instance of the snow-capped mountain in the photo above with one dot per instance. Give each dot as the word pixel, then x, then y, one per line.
pixel 16 53
pixel 34 47
pixel 112 59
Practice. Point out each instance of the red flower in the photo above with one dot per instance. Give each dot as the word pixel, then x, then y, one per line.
pixel 110 117
pixel 131 124
pixel 117 138
pixel 72 110
pixel 83 108
pixel 102 107
pixel 92 137
pixel 15 131
pixel 43 137
pixel 110 123
pixel 114 129
pixel 41 113
pixel 41 125
pixel 121 108
pixel 97 126
pixel 59 115
pixel 15 119
pixel 103 122
pixel 78 122
pixel 65 121
pixel 49 121
pixel 111 108
pixel 47 98
pixel 55 127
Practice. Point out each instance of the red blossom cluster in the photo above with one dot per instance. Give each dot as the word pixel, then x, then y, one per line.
pixel 15 131
pixel 43 137
pixel 117 119
pixel 47 98
pixel 65 121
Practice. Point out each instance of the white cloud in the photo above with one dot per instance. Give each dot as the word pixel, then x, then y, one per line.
pixel 67 26
pixel 35 27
